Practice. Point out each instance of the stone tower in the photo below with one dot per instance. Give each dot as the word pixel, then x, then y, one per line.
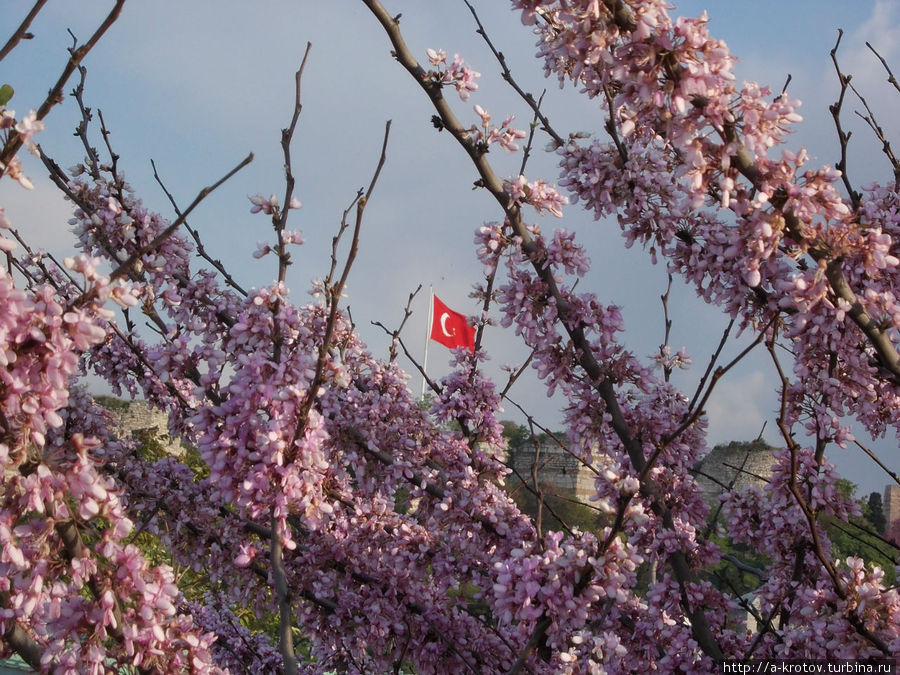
pixel 740 464
pixel 891 504
pixel 558 470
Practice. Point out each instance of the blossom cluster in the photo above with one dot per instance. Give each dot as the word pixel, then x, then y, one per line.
pixel 66 561
pixel 455 73
pixel 506 135
pixel 398 541
pixel 694 171
pixel 327 479
pixel 537 193
pixel 25 129
pixel 462 77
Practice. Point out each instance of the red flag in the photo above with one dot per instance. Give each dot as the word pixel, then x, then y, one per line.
pixel 450 328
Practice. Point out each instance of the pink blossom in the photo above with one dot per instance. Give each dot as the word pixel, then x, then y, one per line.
pixel 401 544
pixel 265 205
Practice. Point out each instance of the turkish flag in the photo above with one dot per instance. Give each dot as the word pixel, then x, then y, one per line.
pixel 450 328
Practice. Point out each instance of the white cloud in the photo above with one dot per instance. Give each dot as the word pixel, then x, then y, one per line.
pixel 882 31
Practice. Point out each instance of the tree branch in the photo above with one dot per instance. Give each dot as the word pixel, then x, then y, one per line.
pixel 21 32
pixel 282 594
pixel 77 55
pixel 333 296
pixel 603 384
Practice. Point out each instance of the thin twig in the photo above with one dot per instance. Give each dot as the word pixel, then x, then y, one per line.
pixel 81 130
pixel 395 334
pixel 22 31
pixel 856 537
pixel 201 249
pixel 601 380
pixel 843 136
pixel 870 119
pixel 333 296
pixel 711 365
pixel 744 567
pixel 76 55
pixel 667 329
pixel 872 455
pixel 891 78
pixel 529 144
pixel 516 374
pixel 165 234
pixel 434 386
pixel 717 375
pixel 507 76
pixel 279 219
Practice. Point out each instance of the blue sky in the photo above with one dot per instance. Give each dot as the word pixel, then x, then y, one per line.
pixel 197 85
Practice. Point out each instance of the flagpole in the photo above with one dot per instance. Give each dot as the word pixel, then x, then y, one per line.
pixel 427 335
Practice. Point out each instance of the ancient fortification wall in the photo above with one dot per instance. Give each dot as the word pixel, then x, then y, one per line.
pixel 136 419
pixel 739 463
pixel 891 503
pixel 558 471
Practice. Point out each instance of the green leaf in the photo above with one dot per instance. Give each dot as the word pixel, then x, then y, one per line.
pixel 6 93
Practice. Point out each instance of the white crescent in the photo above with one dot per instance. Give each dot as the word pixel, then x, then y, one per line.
pixel 444 318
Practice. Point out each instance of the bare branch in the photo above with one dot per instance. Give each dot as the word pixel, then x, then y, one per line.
pixel 843 136
pixel 717 375
pixel 529 144
pixel 21 32
pixel 434 386
pixel 279 219
pixel 201 249
pixel 77 55
pixel 395 334
pixel 515 375
pixel 874 457
pixel 744 567
pixel 886 149
pixel 891 78
pixel 535 105
pixel 282 594
pixel 333 296
pixel 667 329
pixel 20 641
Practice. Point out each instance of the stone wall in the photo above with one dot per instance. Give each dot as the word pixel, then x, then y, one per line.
pixel 744 463
pixel 136 419
pixel 558 471
pixel 737 463
pixel 891 504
